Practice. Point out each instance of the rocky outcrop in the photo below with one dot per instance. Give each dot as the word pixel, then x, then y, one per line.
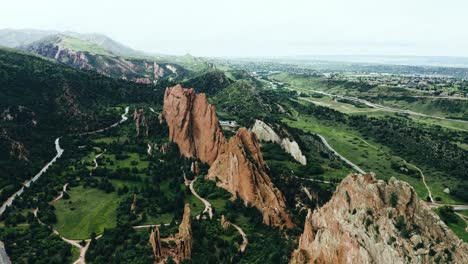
pixel 144 122
pixel 182 240
pixel 140 121
pixel 372 221
pixel 155 242
pixel 241 170
pixel 236 166
pixel 225 224
pixel 184 237
pixel 265 133
pixel 4 259
pixel 293 148
pixel 16 149
pixel 193 124
pixel 102 60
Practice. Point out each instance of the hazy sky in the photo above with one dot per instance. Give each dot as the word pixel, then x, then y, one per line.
pixel 258 27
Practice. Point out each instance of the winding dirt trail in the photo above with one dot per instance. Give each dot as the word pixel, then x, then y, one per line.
pixel 423 177
pixel 73 242
pixel 60 196
pixel 429 193
pixel 208 209
pixel 464 217
pixel 96 165
pixel 245 241
pixel 149 149
pixel 59 151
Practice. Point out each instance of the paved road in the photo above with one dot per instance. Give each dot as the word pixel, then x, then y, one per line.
pixel 354 166
pixel 386 108
pixel 208 209
pixel 440 97
pixel 123 119
pixel 10 200
pixel 456 207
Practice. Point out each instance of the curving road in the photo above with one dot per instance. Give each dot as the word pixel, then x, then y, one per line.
pixel 123 119
pixel 386 108
pixel 354 166
pixel 245 241
pixel 95 162
pixel 208 209
pixel 423 180
pixel 61 193
pixel 75 243
pixel 149 150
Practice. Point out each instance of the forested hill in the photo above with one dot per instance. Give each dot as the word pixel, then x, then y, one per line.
pixel 41 99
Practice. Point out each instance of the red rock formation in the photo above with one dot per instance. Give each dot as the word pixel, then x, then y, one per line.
pixel 183 241
pixel 241 170
pixel 141 121
pixel 184 237
pixel 155 242
pixel 193 124
pixel 361 224
pixel 236 166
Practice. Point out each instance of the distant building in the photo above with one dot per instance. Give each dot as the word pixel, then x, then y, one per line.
pixel 228 124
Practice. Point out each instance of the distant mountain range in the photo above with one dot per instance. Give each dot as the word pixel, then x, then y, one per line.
pixel 23 37
pixel 96 52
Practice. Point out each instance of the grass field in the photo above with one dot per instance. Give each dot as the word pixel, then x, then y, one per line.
pixel 372 157
pixel 305 84
pixel 87 211
pixel 458 228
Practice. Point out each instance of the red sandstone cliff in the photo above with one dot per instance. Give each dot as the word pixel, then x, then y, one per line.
pixel 362 223
pixel 193 123
pixel 182 240
pixel 236 166
pixel 241 170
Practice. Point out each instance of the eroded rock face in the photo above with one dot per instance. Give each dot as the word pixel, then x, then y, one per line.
pixel 140 121
pixel 192 123
pixel 236 166
pixel 155 242
pixel 362 223
pixel 241 170
pixel 182 241
pixel 265 133
pixel 184 237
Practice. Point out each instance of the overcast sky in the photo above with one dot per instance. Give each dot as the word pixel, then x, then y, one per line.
pixel 258 27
